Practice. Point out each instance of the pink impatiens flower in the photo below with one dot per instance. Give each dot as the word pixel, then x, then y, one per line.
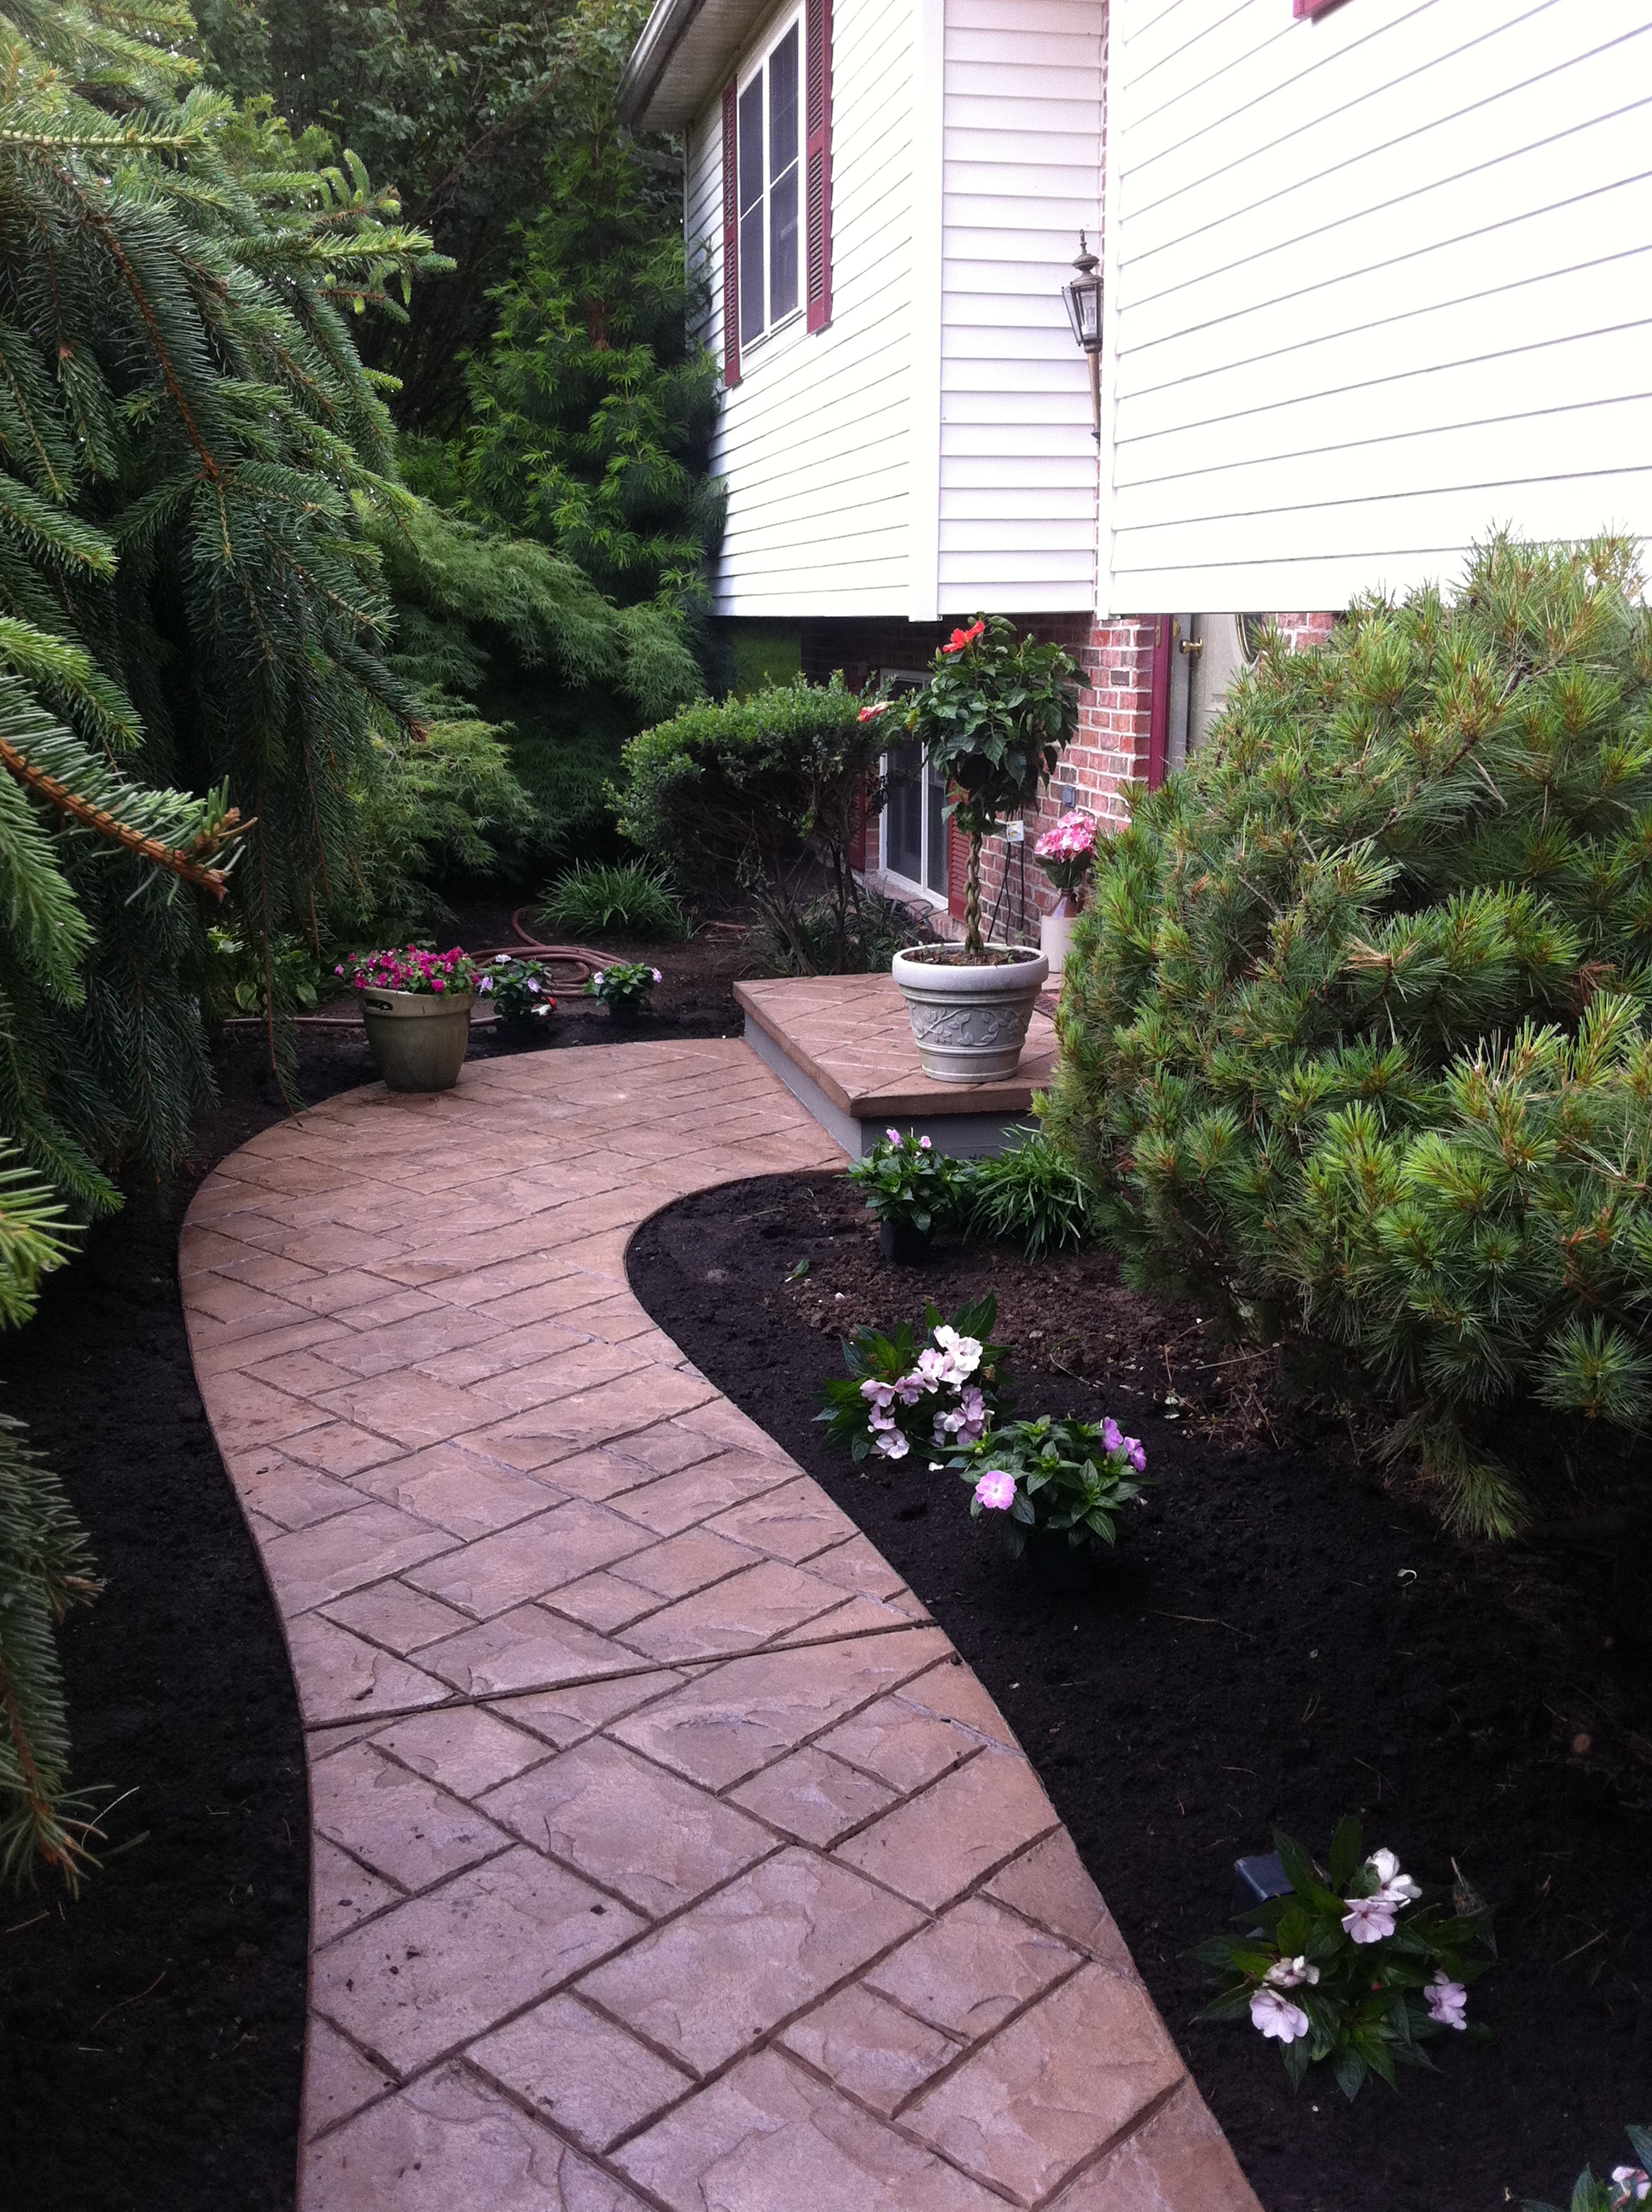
pixel 1396 1887
pixel 1370 1919
pixel 1277 2017
pixel 881 1395
pixel 1633 2185
pixel 995 1492
pixel 894 1135
pixel 1448 2002
pixel 1290 1974
pixel 1112 1435
pixel 893 1444
pixel 1134 1453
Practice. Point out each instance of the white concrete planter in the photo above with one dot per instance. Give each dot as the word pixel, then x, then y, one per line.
pixel 970 1022
pixel 418 1038
pixel 1055 935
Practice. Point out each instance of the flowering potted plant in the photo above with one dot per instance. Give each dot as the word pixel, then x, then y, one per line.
pixel 1056 1488
pixel 1065 854
pixel 415 1007
pixel 993 719
pixel 1360 1965
pixel 896 1395
pixel 520 992
pixel 1629 2184
pixel 623 989
pixel 911 1189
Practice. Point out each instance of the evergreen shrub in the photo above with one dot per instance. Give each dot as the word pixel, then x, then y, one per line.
pixel 1354 1037
pixel 761 795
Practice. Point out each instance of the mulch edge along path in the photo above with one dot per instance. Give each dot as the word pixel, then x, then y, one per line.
pixel 151 2030
pixel 1284 1635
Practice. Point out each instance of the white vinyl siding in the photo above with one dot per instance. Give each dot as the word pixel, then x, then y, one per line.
pixel 815 439
pixel 1375 284
pixel 1022 141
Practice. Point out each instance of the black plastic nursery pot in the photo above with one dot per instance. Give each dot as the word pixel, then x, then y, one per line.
pixel 1058 1568
pixel 905 1246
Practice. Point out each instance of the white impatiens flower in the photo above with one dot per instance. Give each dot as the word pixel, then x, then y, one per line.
pixel 959 1355
pixel 893 1445
pixel 1290 1974
pixel 1277 2017
pixel 1396 1887
pixel 1370 1919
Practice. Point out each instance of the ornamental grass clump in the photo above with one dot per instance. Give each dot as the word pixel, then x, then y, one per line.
pixel 1033 1192
pixel 1354 1037
pixel 1360 1966
pixel 896 1395
pixel 1065 1479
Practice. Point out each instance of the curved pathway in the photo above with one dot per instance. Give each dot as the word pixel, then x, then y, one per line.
pixel 666 1853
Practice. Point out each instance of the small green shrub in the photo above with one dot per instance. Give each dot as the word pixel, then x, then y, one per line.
pixel 1354 1035
pixel 821 942
pixel 629 897
pixel 760 796
pixel 1033 1192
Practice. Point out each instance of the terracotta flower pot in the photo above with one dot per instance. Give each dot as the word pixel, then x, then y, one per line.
pixel 418 1038
pixel 969 1019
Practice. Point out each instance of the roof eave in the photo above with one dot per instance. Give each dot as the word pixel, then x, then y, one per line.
pixel 682 58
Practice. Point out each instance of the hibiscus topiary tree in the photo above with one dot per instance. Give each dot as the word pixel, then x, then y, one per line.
pixel 993 719
pixel 1355 1040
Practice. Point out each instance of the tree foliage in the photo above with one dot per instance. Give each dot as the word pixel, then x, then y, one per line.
pixel 1355 1035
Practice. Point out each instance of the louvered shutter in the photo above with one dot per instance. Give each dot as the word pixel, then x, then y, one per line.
pixel 731 239
pixel 818 155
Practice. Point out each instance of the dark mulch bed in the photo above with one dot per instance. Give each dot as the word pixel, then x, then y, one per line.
pixel 151 2029
pixel 1282 1638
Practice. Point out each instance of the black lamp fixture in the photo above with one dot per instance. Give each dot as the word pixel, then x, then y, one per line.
pixel 1082 295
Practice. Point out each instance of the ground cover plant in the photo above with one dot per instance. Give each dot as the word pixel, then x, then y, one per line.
pixel 1053 1478
pixel 1283 1634
pixel 1355 1042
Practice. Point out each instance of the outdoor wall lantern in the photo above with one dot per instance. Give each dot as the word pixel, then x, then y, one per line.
pixel 1083 297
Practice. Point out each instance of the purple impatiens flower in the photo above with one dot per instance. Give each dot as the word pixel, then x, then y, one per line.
pixel 995 1491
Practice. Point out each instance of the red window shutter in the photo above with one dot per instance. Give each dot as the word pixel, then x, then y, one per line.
pixel 818 156
pixel 957 868
pixel 731 239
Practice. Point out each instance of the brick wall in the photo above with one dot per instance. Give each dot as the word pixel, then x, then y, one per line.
pixel 1109 754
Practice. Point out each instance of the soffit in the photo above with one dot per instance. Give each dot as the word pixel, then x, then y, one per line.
pixel 682 56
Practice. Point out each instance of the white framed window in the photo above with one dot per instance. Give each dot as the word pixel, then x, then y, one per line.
pixel 913 822
pixel 770 144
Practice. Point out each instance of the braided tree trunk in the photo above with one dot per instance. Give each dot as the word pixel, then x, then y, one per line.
pixel 972 898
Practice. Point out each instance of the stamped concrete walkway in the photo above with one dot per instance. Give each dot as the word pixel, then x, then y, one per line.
pixel 666 1853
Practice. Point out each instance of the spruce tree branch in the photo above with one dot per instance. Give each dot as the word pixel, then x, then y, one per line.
pixel 184 864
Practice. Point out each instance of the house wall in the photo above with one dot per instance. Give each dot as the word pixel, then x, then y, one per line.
pixel 1021 176
pixel 1375 281
pixel 815 440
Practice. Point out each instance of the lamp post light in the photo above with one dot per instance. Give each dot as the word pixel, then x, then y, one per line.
pixel 1083 293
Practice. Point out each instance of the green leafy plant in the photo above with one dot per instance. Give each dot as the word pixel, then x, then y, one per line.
pixel 242 978
pixel 628 897
pixel 765 793
pixel 1629 2184
pixel 1058 1478
pixel 897 1395
pixel 1031 1191
pixel 994 717
pixel 1354 1036
pixel 1359 1966
pixel 820 940
pixel 624 986
pixel 519 990
pixel 906 1182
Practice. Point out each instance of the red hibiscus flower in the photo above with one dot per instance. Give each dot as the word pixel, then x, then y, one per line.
pixel 871 713
pixel 961 640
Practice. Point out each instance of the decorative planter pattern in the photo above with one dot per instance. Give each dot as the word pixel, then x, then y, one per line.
pixel 970 1023
pixel 418 1038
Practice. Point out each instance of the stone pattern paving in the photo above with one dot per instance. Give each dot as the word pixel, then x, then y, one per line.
pixel 665 1854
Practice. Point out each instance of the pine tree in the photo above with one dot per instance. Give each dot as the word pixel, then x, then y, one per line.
pixel 1355 1041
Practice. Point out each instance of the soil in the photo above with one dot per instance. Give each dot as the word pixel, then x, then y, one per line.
pixel 1283 1636
pixel 151 2028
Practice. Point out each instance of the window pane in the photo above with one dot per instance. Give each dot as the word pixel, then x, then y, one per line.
pixel 935 876
pixel 751 211
pixel 903 818
pixel 783 177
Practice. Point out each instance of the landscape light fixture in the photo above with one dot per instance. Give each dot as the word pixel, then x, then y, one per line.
pixel 1082 295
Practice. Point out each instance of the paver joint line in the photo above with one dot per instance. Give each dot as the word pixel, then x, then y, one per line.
pixel 662 1848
